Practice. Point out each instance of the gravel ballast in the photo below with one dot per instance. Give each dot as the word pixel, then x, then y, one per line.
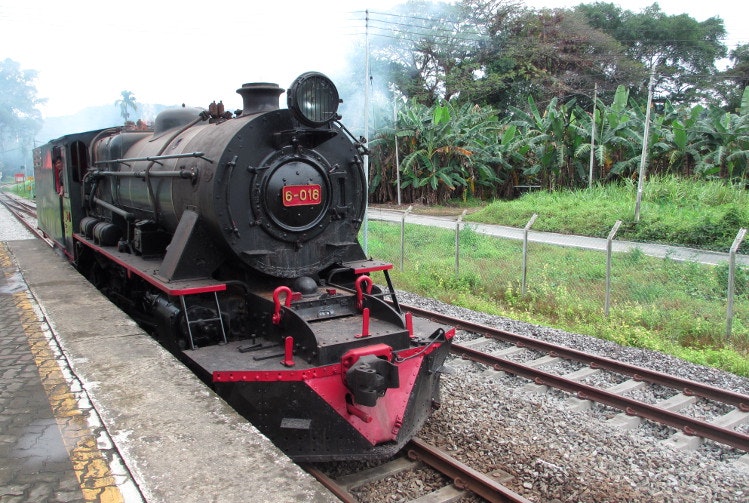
pixel 490 420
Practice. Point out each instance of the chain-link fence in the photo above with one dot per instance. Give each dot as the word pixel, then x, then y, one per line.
pixel 699 299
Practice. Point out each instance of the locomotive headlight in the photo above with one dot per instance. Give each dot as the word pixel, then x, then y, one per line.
pixel 313 99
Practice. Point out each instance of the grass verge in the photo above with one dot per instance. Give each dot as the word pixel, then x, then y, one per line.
pixel 659 304
pixel 675 211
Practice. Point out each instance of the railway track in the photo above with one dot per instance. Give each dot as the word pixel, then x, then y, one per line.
pixel 19 206
pixel 677 394
pixel 668 411
pixel 459 479
pixel 24 211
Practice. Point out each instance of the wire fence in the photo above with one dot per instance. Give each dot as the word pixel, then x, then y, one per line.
pixel 698 297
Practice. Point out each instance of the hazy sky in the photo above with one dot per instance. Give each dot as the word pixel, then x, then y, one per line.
pixel 86 52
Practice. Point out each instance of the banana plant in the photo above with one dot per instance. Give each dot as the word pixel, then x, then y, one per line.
pixel 546 135
pixel 724 143
pixel 446 148
pixel 429 164
pixel 684 154
pixel 620 145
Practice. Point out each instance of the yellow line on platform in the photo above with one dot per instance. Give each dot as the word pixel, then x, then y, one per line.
pixel 90 465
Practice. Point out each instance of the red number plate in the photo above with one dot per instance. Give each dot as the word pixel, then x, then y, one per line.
pixel 301 195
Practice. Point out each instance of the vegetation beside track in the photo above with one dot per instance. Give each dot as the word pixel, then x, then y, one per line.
pixel 661 304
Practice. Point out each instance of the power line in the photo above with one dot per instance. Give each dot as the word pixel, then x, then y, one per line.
pixel 408 24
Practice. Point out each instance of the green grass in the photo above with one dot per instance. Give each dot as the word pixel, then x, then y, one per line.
pixel 675 307
pixel 25 189
pixel 700 214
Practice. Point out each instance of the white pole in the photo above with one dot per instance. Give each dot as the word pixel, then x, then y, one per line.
pixel 457 242
pixel 397 161
pixel 644 156
pixel 593 137
pixel 609 247
pixel 524 272
pixel 365 230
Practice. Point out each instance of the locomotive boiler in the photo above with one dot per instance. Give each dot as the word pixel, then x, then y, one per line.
pixel 232 238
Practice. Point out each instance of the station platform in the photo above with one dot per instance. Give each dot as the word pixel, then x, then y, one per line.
pixel 94 410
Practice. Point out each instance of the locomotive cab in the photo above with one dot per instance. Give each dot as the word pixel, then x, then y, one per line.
pixel 59 168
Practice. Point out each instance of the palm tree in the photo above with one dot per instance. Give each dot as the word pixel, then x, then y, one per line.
pixel 127 102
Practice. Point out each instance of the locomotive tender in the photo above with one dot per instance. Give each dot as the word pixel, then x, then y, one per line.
pixel 232 238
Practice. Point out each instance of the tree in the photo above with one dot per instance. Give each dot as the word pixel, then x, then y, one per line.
pixel 681 49
pixel 419 52
pixel 434 166
pixel 20 120
pixel 438 53
pixel 560 55
pixel 735 79
pixel 724 139
pixel 495 52
pixel 499 95
pixel 447 151
pixel 125 103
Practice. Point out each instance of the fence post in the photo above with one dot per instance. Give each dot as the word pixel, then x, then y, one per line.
pixel 457 242
pixel 608 266
pixel 732 279
pixel 403 233
pixel 525 250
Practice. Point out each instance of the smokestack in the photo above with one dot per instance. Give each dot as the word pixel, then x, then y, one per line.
pixel 259 97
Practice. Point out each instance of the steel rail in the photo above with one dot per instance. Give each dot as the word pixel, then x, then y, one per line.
pixel 686 386
pixel 334 487
pixel 12 204
pixel 463 476
pixel 21 205
pixel 688 425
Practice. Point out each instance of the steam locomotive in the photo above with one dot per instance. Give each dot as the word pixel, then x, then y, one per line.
pixel 232 239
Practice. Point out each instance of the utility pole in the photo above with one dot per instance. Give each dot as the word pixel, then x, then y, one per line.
pixel 645 137
pixel 593 137
pixel 365 229
pixel 397 161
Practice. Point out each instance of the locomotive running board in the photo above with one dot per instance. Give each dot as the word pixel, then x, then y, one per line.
pixel 147 269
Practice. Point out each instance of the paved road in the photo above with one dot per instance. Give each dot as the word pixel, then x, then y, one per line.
pixel 654 250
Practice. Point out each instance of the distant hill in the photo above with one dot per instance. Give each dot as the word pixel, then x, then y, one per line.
pixel 91 118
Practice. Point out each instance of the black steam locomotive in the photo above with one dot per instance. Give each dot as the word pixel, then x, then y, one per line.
pixel 232 238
